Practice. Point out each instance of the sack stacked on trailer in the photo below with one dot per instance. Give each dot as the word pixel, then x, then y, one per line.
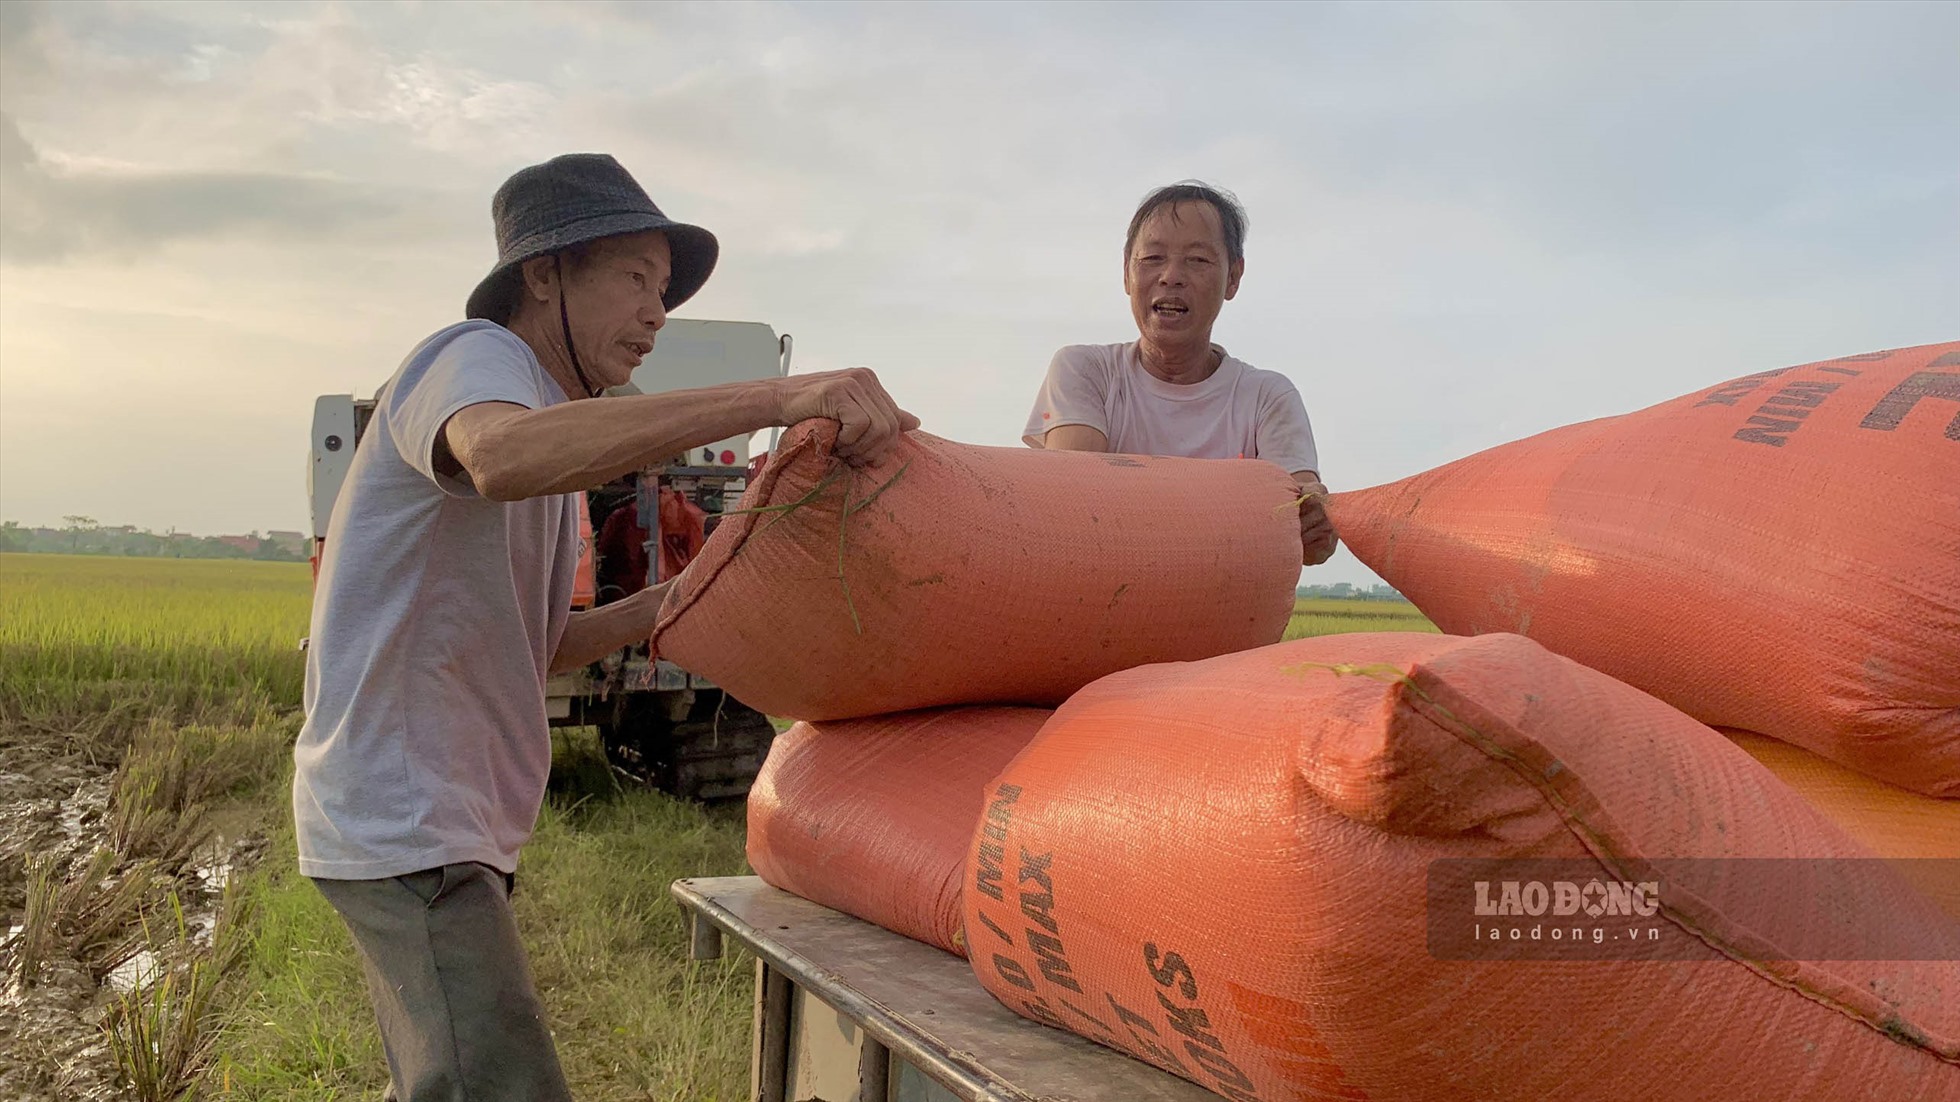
pixel 953 575
pixel 1297 872
pixel 873 817
pixel 1780 553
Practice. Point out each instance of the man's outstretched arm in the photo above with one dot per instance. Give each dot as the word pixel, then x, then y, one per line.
pixel 511 453
pixel 595 633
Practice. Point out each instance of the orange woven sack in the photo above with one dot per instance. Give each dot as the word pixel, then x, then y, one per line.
pixel 953 574
pixel 1780 553
pixel 873 817
pixel 1887 820
pixel 1229 869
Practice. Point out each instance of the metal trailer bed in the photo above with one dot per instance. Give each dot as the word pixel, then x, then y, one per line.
pixel 848 1012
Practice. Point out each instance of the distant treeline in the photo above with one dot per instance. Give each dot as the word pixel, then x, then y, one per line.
pixel 91 539
pixel 1343 591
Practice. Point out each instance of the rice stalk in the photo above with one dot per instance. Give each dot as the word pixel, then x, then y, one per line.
pixel 157 802
pixel 158 1032
pixel 838 469
pixel 97 911
pixel 163 1033
pixel 783 509
pixel 844 583
pixel 843 521
pixel 34 945
pixel 141 827
pixel 874 495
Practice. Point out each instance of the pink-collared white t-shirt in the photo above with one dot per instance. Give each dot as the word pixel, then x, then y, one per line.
pixel 1240 412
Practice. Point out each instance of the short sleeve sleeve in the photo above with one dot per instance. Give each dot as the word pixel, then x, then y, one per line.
pixel 1285 436
pixel 1076 392
pixel 482 365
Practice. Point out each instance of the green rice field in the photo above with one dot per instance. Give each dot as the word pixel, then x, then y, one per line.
pixel 1339 616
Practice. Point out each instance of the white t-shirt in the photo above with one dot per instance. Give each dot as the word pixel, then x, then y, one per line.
pixel 1240 412
pixel 434 621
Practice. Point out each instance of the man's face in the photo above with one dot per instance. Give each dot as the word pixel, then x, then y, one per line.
pixel 614 302
pixel 1178 275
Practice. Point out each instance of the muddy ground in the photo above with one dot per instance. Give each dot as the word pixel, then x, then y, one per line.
pixel 51 1040
pixel 53 1048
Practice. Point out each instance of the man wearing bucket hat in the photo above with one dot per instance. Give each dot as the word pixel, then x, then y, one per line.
pixel 443 597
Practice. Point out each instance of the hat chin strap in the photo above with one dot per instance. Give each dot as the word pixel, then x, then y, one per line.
pixel 565 323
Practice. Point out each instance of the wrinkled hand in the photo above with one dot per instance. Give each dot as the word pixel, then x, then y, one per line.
pixel 869 421
pixel 1317 541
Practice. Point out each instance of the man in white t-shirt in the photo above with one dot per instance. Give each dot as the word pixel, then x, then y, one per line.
pixel 1171 391
pixel 444 601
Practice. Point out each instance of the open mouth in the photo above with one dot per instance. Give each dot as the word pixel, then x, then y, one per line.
pixel 1169 308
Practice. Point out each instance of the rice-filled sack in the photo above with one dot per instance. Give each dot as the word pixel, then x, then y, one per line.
pixel 1429 868
pixel 955 574
pixel 1920 833
pixel 1778 553
pixel 873 817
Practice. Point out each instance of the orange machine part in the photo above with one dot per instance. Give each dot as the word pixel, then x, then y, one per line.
pixel 683 527
pixel 585 586
pixel 1779 553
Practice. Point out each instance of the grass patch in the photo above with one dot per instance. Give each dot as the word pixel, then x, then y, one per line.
pixel 633 1018
pixel 303 1027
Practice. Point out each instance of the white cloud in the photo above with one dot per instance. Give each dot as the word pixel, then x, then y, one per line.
pixel 1469 222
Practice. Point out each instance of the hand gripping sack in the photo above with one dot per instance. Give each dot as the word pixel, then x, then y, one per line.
pixel 953 574
pixel 1227 868
pixel 1780 553
pixel 873 817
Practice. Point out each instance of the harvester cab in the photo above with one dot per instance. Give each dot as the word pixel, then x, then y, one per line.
pixel 657 721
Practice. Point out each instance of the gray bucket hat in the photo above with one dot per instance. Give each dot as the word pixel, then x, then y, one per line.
pixel 568 201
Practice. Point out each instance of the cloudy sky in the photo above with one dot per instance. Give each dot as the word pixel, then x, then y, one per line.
pixel 1468 222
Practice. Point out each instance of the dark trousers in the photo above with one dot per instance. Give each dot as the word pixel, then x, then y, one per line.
pixel 459 1014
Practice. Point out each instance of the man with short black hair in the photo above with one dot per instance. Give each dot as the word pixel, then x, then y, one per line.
pixel 444 602
pixel 1171 391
